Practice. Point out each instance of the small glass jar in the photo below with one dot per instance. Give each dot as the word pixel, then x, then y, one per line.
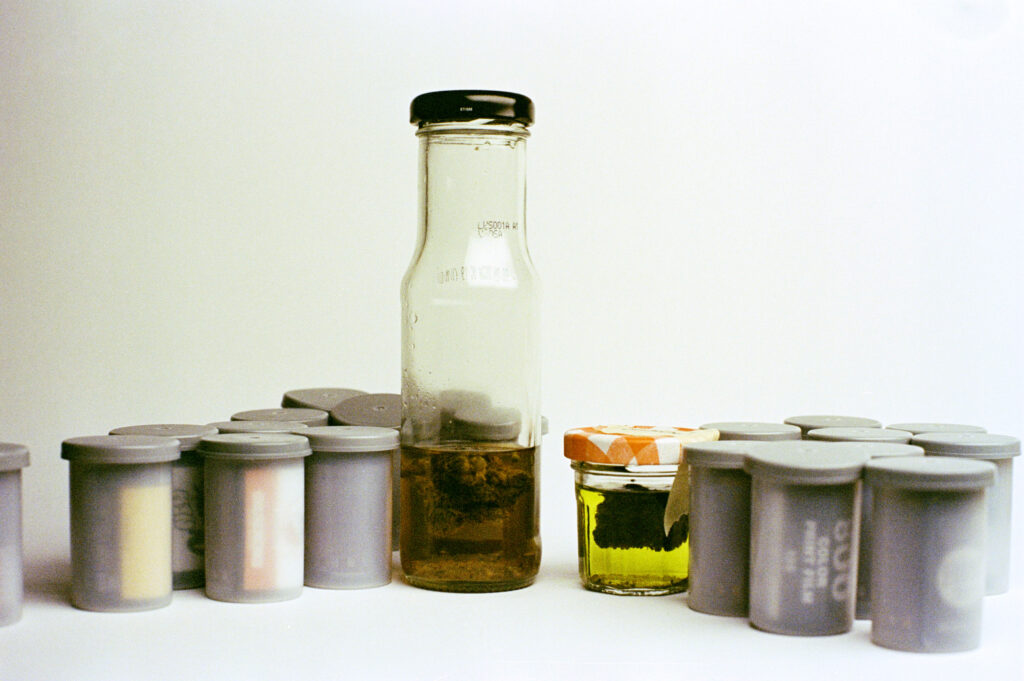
pixel 187 498
pixel 807 423
pixel 1000 450
pixel 624 475
pixel 928 563
pixel 310 417
pixel 13 458
pixel 120 521
pixel 255 516
pixel 348 506
pixel 804 523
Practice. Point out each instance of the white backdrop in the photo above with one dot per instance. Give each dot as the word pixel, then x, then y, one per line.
pixel 738 210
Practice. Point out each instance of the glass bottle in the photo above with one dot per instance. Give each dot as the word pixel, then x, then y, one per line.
pixel 471 423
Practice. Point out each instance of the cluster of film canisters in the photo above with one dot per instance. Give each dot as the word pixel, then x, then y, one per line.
pixel 251 509
pixel 804 526
pixel 801 527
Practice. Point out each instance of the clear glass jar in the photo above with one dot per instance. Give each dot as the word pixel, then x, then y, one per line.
pixel 471 420
pixel 623 547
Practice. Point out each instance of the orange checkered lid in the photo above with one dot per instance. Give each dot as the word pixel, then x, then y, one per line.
pixel 641 445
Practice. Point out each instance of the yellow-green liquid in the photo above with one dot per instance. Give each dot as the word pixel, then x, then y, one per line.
pixel 469 516
pixel 635 571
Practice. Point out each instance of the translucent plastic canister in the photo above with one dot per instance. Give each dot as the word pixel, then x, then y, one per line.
pixel 719 527
pixel 927 566
pixel 874 450
pixel 120 521
pixel 804 517
pixel 255 501
pixel 919 428
pixel 860 435
pixel 186 496
pixel 377 410
pixel 13 458
pixel 1000 450
pixel 324 399
pixel 811 422
pixel 348 506
pixel 309 417
pixel 754 430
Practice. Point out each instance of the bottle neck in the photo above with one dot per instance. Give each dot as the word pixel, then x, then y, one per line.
pixel 472 182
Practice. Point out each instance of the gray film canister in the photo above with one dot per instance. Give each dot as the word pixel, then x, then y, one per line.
pixel 309 417
pixel 928 558
pixel 13 457
pixel 348 506
pixel 121 519
pixel 805 512
pixel 719 527
pixel 187 498
pixel 811 422
pixel 323 399
pixel 1000 450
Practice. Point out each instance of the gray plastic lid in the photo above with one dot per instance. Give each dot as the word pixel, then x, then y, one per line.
pixel 257 426
pixel 381 410
pixel 753 430
pixel 13 456
pixel 859 435
pixel 973 445
pixel 453 400
pixel 121 449
pixel 350 438
pixel 323 399
pixel 812 422
pixel 488 424
pixel 805 462
pixel 310 417
pixel 930 473
pixel 187 434
pixel 919 428
pixel 879 450
pixel 254 446
pixel 717 454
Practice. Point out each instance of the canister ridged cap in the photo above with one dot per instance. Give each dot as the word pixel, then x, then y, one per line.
pixel 813 421
pixel 310 417
pixel 753 430
pixel 919 428
pixel 323 399
pixel 350 438
pixel 121 449
pixel 805 462
pixel 186 434
pixel 254 446
pixel 468 105
pixel 380 410
pixel 487 424
pixel 257 426
pixel 879 450
pixel 971 445
pixel 719 454
pixel 859 435
pixel 930 473
pixel 13 456
pixel 632 445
